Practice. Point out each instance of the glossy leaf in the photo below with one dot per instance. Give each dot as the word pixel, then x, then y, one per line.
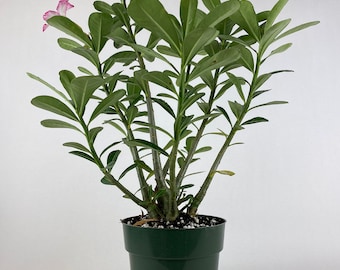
pixel 237 82
pixel 226 115
pixel 226 172
pixel 83 155
pixel 110 100
pixel 120 37
pixel 165 106
pixel 236 108
pixel 34 77
pixel 298 28
pixel 246 18
pixel 83 88
pixel 103 7
pixel 146 144
pixel 100 25
pixel 70 28
pixel 54 123
pixel 88 54
pixel 66 78
pixel 280 49
pixel 269 103
pixel 112 159
pixel 276 10
pixel 161 79
pixel 54 105
pixel 77 146
pixel 254 121
pixel 270 36
pixel 219 13
pixel 68 44
pixel 211 4
pixel 151 15
pixel 188 9
pixel 195 41
pixel 221 59
pixel 152 53
pixel 93 133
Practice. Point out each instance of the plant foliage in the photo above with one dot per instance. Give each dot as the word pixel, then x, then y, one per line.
pixel 210 58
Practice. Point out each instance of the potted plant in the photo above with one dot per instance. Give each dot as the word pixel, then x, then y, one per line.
pixel 156 86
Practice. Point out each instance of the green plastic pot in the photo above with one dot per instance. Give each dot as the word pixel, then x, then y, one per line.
pixel 174 249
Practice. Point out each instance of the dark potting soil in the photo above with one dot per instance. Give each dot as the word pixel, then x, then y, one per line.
pixel 184 221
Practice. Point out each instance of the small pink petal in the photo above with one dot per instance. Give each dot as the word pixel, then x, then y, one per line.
pixel 50 14
pixel 63 6
pixel 45 27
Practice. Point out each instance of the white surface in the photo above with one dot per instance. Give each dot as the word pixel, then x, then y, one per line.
pixel 282 205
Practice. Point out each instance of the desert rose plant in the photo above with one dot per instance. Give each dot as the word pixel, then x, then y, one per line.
pixel 156 85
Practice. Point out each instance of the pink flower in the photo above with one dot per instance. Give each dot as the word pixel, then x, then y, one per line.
pixel 62 7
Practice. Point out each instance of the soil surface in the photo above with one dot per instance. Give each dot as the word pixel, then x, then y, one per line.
pixel 184 221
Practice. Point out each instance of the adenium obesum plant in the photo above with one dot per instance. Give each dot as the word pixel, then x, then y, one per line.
pixel 156 85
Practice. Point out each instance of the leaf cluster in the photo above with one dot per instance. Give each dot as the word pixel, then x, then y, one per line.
pixel 160 116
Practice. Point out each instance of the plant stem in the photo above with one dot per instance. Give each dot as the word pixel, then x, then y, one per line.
pixel 198 198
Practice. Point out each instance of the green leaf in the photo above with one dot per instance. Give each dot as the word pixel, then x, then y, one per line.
pixel 77 146
pixel 188 9
pixel 189 100
pixel 254 121
pixel 236 108
pixel 161 79
pixel 270 36
pixel 221 59
pixel 106 181
pixel 237 83
pixel 219 13
pixel 196 41
pixel 269 103
pixel 203 149
pixel 103 7
pixel 83 88
pixel 146 144
pixel 247 59
pixel 225 172
pixel 68 44
pixel 151 15
pixel 141 164
pixel 112 159
pixel 274 13
pixel 211 4
pixel 121 13
pixel 128 169
pixel 120 37
pixel 110 100
pixel 151 53
pixel 280 49
pixel 54 105
pixel 93 133
pixel 88 54
pixel 70 28
pixel 166 50
pixel 100 25
pixel 34 77
pixel 226 115
pixel 83 155
pixel 298 28
pixel 246 18
pixel 53 123
pixel 66 77
pixel 165 106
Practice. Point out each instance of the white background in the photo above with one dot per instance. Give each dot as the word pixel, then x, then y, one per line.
pixel 282 206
